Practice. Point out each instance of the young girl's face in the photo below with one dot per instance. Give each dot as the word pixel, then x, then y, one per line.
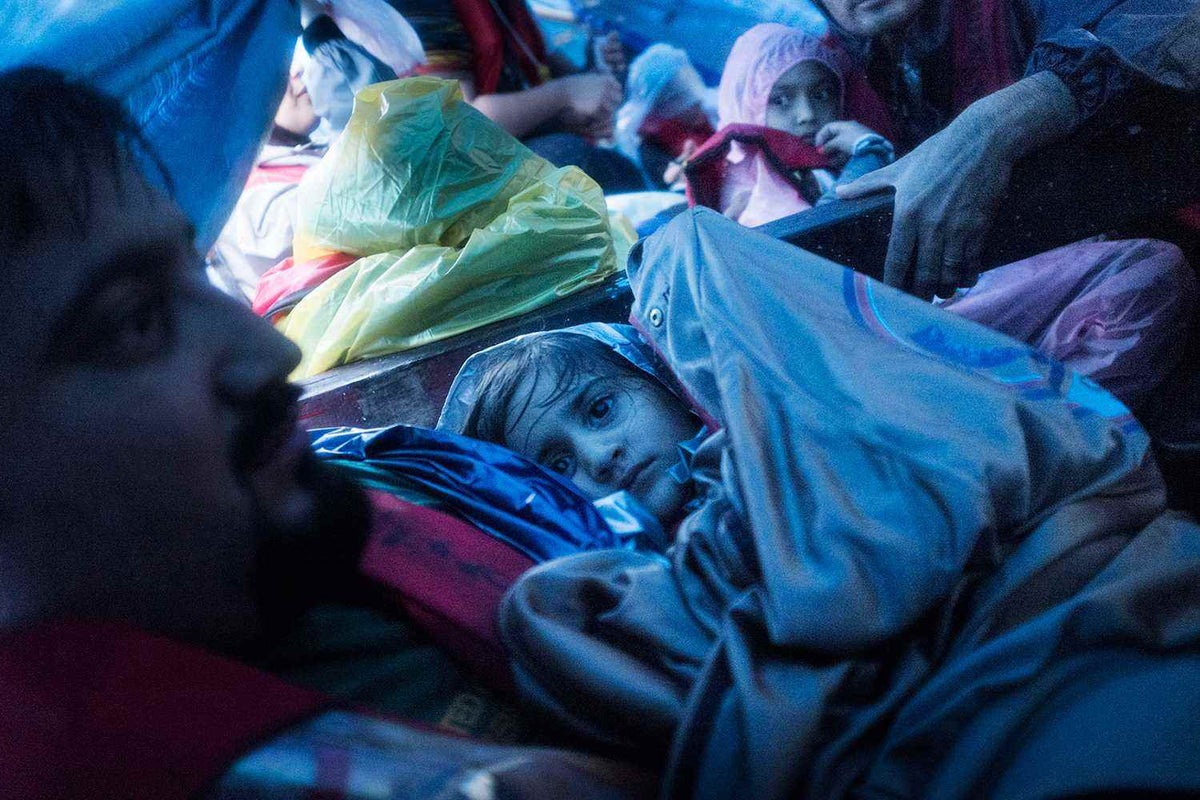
pixel 606 433
pixel 804 100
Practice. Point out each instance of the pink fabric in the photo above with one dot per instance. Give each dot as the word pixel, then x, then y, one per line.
pixel 780 150
pixel 448 575
pixel 288 278
pixel 753 192
pixel 1117 312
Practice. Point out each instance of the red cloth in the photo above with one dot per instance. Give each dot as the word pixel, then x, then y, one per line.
pixel 706 169
pixel 276 173
pixel 671 134
pixel 95 710
pixel 490 38
pixel 979 48
pixel 449 577
pixel 864 105
pixel 287 279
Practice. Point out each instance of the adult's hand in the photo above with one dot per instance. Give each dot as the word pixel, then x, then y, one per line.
pixel 948 188
pixel 946 193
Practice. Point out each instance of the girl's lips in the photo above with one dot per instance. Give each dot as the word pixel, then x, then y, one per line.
pixel 633 480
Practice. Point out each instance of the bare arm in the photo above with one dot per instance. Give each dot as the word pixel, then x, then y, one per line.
pixel 521 113
pixel 583 104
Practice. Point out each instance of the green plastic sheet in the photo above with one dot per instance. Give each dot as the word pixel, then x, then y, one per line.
pixel 455 222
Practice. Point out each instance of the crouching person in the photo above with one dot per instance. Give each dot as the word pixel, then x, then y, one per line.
pixel 161 513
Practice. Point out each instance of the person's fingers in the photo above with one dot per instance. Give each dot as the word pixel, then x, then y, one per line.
pixel 827 133
pixel 901 244
pixel 603 129
pixel 971 261
pixel 961 256
pixel 953 273
pixel 927 270
pixel 868 184
pixel 612 90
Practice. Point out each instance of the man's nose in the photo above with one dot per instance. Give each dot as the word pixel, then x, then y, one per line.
pixel 255 355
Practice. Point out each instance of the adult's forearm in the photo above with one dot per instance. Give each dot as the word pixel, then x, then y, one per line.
pixel 1034 111
pixel 521 113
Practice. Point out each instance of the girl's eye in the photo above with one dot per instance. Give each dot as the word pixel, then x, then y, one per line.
pixel 560 465
pixel 600 408
pixel 778 100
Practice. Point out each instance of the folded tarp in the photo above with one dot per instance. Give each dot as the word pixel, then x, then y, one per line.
pixel 512 499
pixel 929 561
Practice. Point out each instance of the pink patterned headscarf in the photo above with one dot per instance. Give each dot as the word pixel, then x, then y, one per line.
pixel 753 193
pixel 759 58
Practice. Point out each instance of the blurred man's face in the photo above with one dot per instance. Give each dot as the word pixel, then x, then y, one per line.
pixel 149 438
pixel 870 18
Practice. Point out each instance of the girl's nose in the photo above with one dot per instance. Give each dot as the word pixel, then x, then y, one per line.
pixel 804 111
pixel 600 459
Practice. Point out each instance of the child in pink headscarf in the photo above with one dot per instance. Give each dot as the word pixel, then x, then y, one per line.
pixel 787 79
pixel 1117 311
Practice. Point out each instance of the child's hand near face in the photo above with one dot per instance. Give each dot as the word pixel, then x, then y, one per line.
pixel 837 139
pixel 673 175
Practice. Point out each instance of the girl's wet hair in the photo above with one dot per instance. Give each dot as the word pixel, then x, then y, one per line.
pixel 569 357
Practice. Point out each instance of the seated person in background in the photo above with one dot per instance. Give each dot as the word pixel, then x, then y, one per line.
pixel 327 70
pixel 258 234
pixel 335 70
pixel 971 88
pixel 496 52
pixel 790 80
pixel 666 115
pixel 162 515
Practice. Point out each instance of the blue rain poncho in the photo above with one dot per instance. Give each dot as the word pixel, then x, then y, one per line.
pixel 928 560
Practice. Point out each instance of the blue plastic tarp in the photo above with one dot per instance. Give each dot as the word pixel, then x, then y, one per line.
pixel 201 80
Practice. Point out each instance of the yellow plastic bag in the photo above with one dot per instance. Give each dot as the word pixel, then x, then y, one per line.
pixel 457 225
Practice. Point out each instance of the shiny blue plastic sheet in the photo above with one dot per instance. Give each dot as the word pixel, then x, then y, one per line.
pixel 501 493
pixel 201 80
